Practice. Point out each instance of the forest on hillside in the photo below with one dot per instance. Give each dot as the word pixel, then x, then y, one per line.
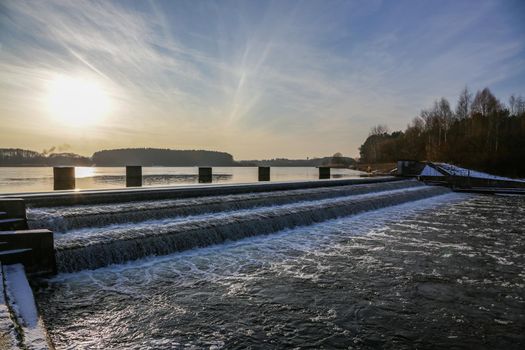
pixel 161 157
pixel 337 160
pixel 117 157
pixel 24 157
pixel 156 157
pixel 481 133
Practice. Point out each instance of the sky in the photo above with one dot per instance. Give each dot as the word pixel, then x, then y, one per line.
pixel 257 79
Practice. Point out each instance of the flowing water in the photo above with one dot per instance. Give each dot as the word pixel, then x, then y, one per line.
pixel 441 272
pixel 254 214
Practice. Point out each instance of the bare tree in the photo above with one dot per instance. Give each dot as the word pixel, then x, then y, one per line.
pixel 516 105
pixel 445 116
pixel 485 103
pixel 379 129
pixel 463 106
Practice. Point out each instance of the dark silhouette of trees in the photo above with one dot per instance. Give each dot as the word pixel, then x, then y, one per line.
pixel 118 157
pixel 17 156
pixel 516 105
pixel 22 157
pixel 481 134
pixel 311 162
pixel 161 157
pixel 463 106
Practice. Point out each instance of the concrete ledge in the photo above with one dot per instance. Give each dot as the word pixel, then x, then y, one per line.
pixel 41 257
pixel 12 208
pixel 50 199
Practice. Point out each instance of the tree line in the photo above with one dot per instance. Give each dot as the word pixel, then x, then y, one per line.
pixel 24 157
pixel 117 157
pixel 155 157
pixel 162 157
pixel 480 133
pixel 337 160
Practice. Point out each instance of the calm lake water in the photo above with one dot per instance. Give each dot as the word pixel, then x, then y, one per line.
pixel 36 179
pixel 446 272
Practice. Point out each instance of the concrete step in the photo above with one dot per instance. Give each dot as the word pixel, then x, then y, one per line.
pixel 41 260
pixel 13 224
pixel 12 208
pixel 16 256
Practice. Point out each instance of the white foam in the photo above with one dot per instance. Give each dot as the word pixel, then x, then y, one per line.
pixel 21 301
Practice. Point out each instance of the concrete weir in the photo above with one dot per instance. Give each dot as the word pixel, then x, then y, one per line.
pixel 83 197
pixel 130 242
pixel 100 228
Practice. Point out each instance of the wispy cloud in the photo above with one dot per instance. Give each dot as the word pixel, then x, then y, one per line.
pixel 253 78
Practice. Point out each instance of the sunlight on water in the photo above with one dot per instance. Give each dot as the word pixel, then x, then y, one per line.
pixel 82 172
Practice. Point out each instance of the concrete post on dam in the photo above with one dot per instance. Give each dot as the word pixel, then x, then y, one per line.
pixel 264 173
pixel 324 172
pixel 205 174
pixel 64 178
pixel 133 176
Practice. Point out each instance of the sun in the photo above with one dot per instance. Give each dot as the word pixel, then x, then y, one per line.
pixel 77 102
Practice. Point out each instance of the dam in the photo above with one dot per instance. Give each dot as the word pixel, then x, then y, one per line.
pixel 375 262
pixel 93 236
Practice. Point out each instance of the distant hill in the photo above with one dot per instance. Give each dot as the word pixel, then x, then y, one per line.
pixel 23 157
pixel 314 162
pixel 117 157
pixel 161 157
pixel 156 157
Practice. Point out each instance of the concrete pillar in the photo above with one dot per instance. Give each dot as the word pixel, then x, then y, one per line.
pixel 264 173
pixel 64 178
pixel 133 176
pixel 324 172
pixel 205 174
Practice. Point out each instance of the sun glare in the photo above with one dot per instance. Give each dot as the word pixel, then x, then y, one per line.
pixel 76 101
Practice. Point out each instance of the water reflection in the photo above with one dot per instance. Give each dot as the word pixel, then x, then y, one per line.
pixel 83 172
pixel 36 179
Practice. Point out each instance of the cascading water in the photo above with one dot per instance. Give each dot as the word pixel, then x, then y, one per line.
pixel 226 218
pixel 62 219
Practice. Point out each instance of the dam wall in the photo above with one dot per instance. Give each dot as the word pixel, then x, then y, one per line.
pixel 85 197
pixel 94 236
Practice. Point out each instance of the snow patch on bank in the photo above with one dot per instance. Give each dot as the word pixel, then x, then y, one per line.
pixel 429 171
pixel 7 327
pixel 458 171
pixel 20 298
